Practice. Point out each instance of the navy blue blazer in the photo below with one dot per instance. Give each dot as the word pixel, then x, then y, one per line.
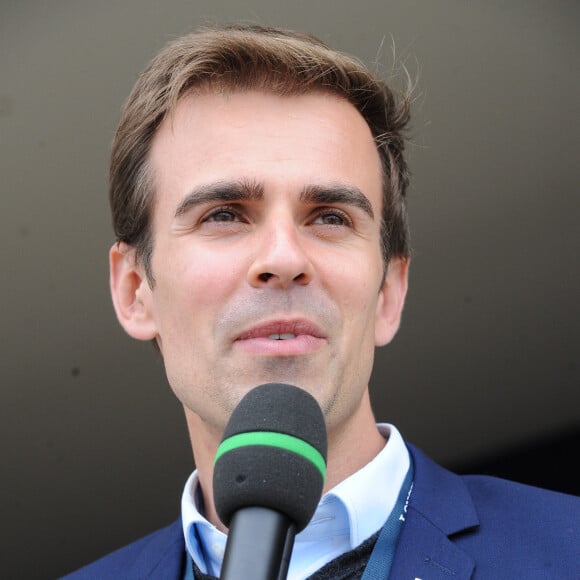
pixel 457 528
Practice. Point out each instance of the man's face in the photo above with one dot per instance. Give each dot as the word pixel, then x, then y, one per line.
pixel 266 251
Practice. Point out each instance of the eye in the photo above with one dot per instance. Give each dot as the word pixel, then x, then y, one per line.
pixel 221 214
pixel 332 217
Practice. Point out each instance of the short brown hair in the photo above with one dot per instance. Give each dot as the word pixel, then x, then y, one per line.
pixel 244 57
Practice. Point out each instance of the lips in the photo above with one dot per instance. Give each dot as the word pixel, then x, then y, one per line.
pixel 282 338
pixel 282 330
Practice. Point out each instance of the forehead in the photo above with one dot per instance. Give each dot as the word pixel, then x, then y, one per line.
pixel 279 141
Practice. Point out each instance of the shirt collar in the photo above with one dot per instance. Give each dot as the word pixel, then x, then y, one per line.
pixel 347 514
pixel 368 496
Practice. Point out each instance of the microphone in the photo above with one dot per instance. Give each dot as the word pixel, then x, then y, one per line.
pixel 269 472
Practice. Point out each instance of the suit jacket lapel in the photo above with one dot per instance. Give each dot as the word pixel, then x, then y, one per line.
pixel 440 505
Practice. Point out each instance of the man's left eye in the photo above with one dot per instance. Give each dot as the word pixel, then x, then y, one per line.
pixel 222 215
pixel 332 218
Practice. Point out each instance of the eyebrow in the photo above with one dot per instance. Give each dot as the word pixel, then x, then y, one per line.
pixel 224 191
pixel 350 195
pixel 244 190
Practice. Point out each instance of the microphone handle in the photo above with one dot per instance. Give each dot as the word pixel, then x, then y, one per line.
pixel 259 545
pixel 283 572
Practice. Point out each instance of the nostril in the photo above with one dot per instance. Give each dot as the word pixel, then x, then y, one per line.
pixel 265 276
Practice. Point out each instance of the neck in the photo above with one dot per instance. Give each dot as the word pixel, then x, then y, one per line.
pixel 351 445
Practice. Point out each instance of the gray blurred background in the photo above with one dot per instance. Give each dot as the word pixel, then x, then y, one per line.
pixel 484 373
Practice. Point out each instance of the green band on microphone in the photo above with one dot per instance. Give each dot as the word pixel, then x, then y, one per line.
pixel 273 439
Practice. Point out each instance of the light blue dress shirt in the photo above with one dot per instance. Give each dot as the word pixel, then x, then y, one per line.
pixel 346 516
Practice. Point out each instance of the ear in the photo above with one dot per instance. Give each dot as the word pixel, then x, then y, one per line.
pixel 391 301
pixel 131 293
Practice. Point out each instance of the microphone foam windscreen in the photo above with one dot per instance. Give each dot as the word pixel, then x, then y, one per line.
pixel 272 455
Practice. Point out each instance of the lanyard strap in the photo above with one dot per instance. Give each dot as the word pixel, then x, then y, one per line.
pixel 188 566
pixel 379 564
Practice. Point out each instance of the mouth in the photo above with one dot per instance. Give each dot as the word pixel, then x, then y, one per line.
pixel 282 337
pixel 282 330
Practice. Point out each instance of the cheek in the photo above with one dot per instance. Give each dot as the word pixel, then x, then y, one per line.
pixel 200 280
pixel 359 281
pixel 358 297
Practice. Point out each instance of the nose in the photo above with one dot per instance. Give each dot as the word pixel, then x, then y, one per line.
pixel 280 259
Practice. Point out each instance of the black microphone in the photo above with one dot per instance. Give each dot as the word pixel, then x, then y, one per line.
pixel 269 472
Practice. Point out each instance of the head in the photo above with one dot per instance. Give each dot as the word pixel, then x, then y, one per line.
pixel 243 58
pixel 258 194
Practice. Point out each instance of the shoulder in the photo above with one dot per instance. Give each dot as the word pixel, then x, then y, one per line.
pixel 541 513
pixel 157 555
pixel 509 496
pixel 489 492
pixel 491 497
pixel 536 528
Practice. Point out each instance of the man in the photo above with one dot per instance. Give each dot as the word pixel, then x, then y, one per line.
pixel 258 197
